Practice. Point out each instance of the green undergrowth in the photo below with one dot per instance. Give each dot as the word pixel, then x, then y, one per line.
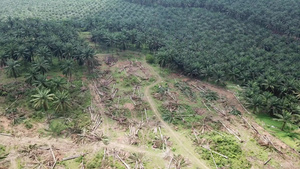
pixel 3 152
pixel 184 116
pixel 99 161
pixel 227 145
pixel 289 136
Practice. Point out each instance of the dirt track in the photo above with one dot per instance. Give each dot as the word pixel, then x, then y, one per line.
pixel 184 143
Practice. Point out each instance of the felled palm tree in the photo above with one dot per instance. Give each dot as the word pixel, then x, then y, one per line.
pixel 62 101
pixel 287 118
pixel 138 160
pixel 179 162
pixel 13 68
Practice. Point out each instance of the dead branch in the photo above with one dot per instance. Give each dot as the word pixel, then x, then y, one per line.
pixel 170 94
pixel 213 159
pixel 146 115
pixel 162 137
pixel 4 134
pixel 114 93
pixel 215 152
pixel 126 165
pixel 198 88
pixel 264 137
pixel 194 132
pixel 73 157
pixel 230 131
pixel 241 103
pixel 170 163
pixel 267 138
pixel 267 161
pixel 132 100
pixel 53 156
pixel 206 105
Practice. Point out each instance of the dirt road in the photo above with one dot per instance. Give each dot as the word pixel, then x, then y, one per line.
pixel 182 141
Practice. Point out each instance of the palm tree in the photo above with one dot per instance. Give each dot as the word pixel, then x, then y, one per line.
pixel 219 77
pixel 169 116
pixel 62 101
pixel 41 65
pixel 44 52
pixel 3 59
pixel 41 81
pixel 23 53
pixel 11 51
pixel 57 83
pixel 67 68
pixel 273 105
pixel 88 56
pixel 255 103
pixel 287 118
pixel 42 99
pixel 13 68
pixel 31 76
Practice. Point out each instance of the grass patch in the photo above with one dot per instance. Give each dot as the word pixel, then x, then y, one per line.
pixel 290 137
pixel 226 145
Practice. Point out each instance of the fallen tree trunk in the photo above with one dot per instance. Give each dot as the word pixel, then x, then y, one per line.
pixel 230 131
pixel 126 165
pixel 53 156
pixel 267 161
pixel 72 157
pixel 199 88
pixel 215 152
pixel 4 134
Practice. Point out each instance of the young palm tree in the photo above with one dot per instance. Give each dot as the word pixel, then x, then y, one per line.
pixel 3 59
pixel 12 69
pixel 67 68
pixel 255 103
pixel 62 101
pixel 41 65
pixel 31 76
pixel 41 99
pixel 88 57
pixel 41 81
pixel 45 52
pixel 58 83
pixel 287 118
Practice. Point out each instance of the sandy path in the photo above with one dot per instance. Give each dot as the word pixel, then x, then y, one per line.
pixel 182 141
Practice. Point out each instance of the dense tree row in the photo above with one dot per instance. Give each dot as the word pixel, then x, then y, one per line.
pixel 209 46
pixel 280 16
pixel 36 42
